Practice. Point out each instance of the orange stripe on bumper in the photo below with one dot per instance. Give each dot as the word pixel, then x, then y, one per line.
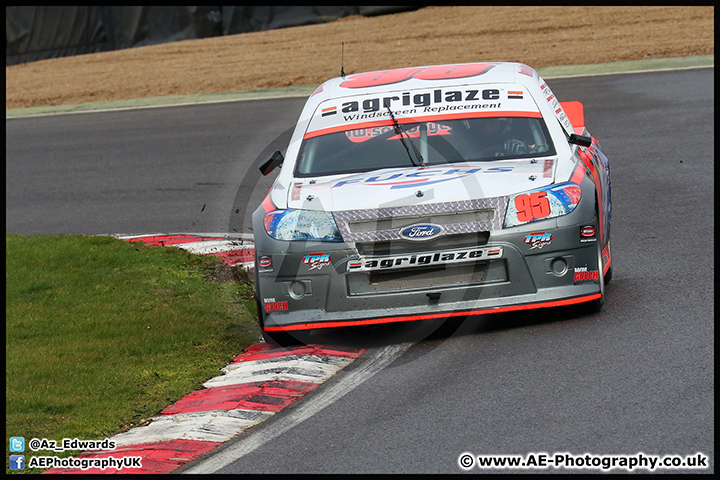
pixel 411 318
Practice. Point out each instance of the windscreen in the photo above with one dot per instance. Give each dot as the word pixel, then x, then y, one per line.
pixel 432 141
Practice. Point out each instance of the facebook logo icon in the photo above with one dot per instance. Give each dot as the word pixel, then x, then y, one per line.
pixel 17 462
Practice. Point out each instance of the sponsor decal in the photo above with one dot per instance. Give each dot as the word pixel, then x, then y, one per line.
pixel 265 264
pixel 296 190
pixel 555 105
pixel 340 115
pixel 316 261
pixel 587 234
pixel 447 257
pixel 421 232
pixel 272 306
pixel 362 134
pixel 538 240
pixel 533 206
pixel 424 101
pixel 420 177
pixel 547 168
pixel 417 100
pixel 582 275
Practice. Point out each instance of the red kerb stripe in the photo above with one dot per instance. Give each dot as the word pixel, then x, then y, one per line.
pixel 157 457
pixel 265 396
pixel 164 240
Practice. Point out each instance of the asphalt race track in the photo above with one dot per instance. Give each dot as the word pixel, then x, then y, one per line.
pixel 637 377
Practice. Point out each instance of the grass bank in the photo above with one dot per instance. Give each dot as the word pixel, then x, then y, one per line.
pixel 102 333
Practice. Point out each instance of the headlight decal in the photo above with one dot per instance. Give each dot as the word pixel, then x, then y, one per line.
pixel 542 204
pixel 533 206
pixel 292 225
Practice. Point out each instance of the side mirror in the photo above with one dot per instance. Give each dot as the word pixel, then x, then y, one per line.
pixel 581 140
pixel 270 163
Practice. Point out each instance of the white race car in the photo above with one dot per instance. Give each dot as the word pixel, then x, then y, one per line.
pixel 431 192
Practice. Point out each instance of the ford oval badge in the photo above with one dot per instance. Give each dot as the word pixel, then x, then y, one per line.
pixel 421 232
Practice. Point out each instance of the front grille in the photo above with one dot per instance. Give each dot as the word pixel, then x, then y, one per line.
pixel 465 224
pixel 392 247
pixel 396 223
pixel 385 224
pixel 479 273
pixel 431 277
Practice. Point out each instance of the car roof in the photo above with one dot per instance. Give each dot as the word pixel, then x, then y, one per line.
pixel 400 82
pixel 325 109
pixel 458 90
pixel 427 76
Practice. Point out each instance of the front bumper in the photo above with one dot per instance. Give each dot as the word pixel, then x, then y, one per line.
pixel 310 285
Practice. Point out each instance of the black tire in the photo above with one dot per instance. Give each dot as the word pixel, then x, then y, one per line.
pixel 597 304
pixel 281 339
pixel 608 276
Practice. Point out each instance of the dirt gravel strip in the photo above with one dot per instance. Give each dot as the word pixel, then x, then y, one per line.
pixel 257 384
pixel 276 62
pixel 548 73
pixel 539 36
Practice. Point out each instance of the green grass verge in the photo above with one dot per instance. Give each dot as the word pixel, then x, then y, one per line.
pixel 102 333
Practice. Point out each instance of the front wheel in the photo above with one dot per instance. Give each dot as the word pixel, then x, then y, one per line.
pixel 608 274
pixel 597 304
pixel 280 339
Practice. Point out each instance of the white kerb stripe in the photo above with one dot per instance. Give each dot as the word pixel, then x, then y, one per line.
pixel 304 370
pixel 289 361
pixel 215 246
pixel 213 426
pixel 381 358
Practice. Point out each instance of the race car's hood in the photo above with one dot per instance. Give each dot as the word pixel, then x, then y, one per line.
pixel 420 185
